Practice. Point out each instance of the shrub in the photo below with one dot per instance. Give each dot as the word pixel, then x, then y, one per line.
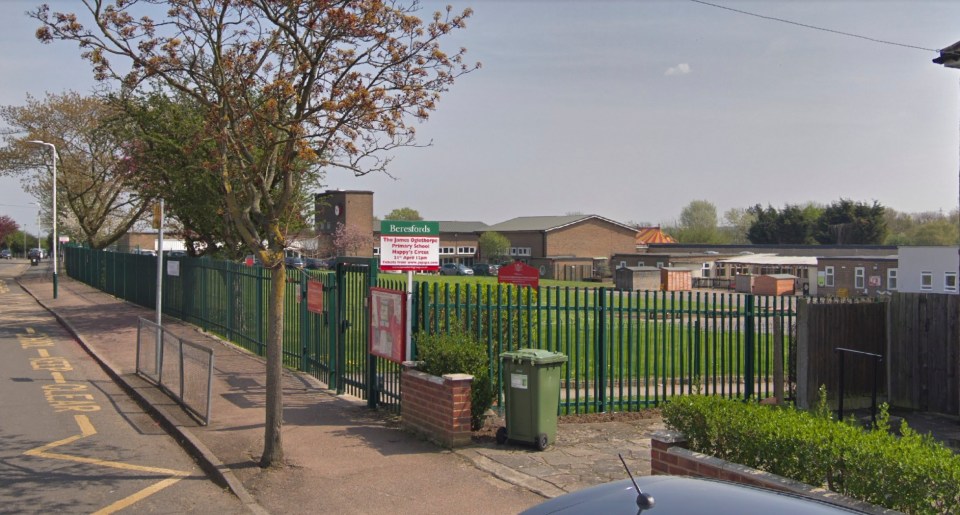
pixel 457 352
pixel 910 473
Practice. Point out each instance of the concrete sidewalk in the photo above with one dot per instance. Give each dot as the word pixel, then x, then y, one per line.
pixel 341 457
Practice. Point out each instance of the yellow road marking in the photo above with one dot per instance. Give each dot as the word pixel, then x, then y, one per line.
pixel 65 400
pixel 142 494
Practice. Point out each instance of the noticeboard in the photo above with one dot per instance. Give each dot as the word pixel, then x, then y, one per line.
pixel 409 246
pixel 315 296
pixel 388 315
pixel 519 273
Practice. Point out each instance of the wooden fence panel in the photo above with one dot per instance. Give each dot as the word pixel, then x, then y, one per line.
pixel 925 352
pixel 821 329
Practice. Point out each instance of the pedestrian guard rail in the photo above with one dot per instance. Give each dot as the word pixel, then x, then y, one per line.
pixel 182 369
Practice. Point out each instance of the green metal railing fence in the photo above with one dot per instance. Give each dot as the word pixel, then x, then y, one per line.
pixel 626 350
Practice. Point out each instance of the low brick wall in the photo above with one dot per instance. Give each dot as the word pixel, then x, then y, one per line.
pixel 669 456
pixel 437 408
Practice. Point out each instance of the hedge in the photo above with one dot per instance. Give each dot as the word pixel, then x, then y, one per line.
pixel 911 473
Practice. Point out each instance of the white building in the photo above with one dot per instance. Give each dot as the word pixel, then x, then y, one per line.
pixel 928 269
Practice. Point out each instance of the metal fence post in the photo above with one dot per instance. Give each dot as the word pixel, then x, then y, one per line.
pixel 749 351
pixel 601 360
pixel 373 386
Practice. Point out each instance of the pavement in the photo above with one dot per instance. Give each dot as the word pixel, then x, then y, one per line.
pixel 340 456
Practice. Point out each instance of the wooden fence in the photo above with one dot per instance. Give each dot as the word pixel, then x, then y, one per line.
pixel 925 352
pixel 822 328
pixel 917 334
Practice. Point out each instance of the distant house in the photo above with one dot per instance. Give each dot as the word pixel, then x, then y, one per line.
pixel 567 247
pixel 133 241
pixel 857 276
pixel 928 270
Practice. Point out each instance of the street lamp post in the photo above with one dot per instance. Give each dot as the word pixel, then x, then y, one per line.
pixel 53 152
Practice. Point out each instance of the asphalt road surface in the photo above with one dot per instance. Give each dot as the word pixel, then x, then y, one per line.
pixel 72 441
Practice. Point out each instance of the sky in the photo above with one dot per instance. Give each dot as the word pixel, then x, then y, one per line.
pixel 632 109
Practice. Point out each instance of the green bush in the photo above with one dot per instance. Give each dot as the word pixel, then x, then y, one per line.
pixel 911 473
pixel 457 352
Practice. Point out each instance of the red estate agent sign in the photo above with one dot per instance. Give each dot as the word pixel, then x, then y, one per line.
pixel 388 324
pixel 520 274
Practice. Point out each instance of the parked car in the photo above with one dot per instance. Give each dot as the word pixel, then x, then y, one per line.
pixel 455 269
pixel 6 254
pixel 179 254
pixel 676 495
pixel 252 260
pixel 294 262
pixel 315 264
pixel 486 269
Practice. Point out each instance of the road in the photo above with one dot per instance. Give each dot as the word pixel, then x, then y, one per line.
pixel 73 441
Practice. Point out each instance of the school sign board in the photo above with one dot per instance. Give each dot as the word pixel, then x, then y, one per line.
pixel 409 246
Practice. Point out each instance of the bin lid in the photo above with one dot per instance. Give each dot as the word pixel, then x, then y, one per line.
pixel 535 356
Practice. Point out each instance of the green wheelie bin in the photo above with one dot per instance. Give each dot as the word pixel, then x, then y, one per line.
pixel 532 395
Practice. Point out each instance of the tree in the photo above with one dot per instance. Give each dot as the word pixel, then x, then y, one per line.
pixel 494 247
pixel 849 223
pixel 348 239
pixel 793 225
pixel 169 150
pixel 403 213
pixel 287 90
pixel 94 182
pixel 738 221
pixel 8 228
pixel 698 223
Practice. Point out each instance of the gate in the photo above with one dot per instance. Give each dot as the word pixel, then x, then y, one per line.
pixel 353 370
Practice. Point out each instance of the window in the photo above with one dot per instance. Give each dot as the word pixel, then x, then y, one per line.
pixel 623 264
pixel 446 250
pixel 376 251
pixel 706 270
pixel 659 264
pixel 950 281
pixel 926 280
pixel 519 251
pixel 467 250
pixel 828 276
pixel 858 276
pixel 892 279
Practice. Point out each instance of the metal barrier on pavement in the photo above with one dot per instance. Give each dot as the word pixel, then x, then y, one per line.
pixel 184 370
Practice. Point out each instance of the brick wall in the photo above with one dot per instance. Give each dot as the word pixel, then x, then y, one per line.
pixel 437 408
pixel 669 456
pixel 591 238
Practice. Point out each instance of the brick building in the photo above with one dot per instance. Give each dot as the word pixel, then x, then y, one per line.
pixel 353 209
pixel 570 247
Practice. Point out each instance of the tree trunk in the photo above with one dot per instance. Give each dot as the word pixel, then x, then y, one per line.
pixel 272 444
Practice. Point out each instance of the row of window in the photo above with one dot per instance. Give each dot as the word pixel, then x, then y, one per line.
pixel 458 250
pixel 926 279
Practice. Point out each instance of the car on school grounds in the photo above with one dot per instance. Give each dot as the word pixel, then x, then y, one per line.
pixel 679 495
pixel 486 269
pixel 455 269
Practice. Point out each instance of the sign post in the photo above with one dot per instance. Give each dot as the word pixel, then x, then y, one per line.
pixel 411 246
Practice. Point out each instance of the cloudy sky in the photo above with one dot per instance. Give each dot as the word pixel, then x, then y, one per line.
pixel 630 109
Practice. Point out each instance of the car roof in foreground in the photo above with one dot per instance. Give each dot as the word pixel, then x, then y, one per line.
pixel 675 495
